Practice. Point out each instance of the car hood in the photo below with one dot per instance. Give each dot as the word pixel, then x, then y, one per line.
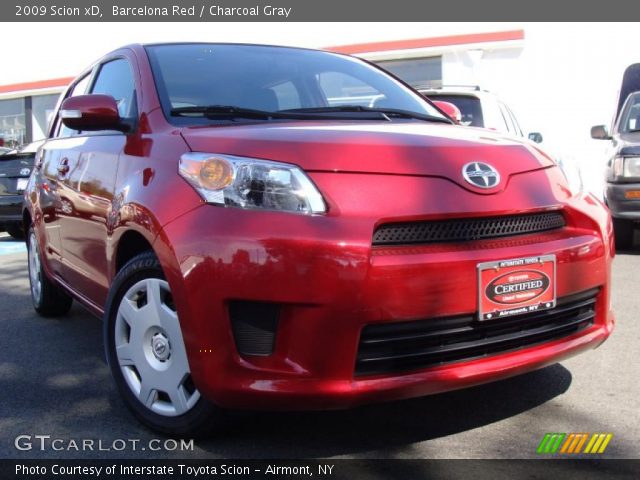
pixel 629 144
pixel 400 148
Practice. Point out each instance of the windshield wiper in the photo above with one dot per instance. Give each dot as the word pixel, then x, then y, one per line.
pixel 231 112
pixel 220 111
pixel 388 112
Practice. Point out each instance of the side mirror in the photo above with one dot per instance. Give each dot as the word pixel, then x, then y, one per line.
pixel 449 109
pixel 535 137
pixel 92 112
pixel 599 132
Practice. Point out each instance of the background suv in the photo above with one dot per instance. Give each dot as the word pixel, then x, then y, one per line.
pixel 480 108
pixel 15 169
pixel 622 173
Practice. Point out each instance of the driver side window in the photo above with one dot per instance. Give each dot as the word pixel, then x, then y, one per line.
pixel 116 79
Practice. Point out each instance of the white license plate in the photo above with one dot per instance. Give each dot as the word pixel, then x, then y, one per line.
pixel 22 184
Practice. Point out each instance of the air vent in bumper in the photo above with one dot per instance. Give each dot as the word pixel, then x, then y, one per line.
pixel 254 326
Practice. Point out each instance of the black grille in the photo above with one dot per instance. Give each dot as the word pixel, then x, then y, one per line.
pixel 405 346
pixel 465 229
pixel 254 326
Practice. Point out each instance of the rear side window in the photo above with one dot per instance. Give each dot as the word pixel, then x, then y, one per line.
pixel 507 119
pixel 494 117
pixel 116 79
pixel 514 120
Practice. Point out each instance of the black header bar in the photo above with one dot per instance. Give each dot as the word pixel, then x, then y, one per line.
pixel 315 10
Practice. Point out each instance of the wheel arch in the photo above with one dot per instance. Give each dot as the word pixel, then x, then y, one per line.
pixel 129 244
pixel 26 221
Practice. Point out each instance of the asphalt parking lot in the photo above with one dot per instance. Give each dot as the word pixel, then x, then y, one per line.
pixel 53 381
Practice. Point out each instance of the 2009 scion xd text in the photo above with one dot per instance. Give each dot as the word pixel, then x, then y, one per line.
pixel 278 228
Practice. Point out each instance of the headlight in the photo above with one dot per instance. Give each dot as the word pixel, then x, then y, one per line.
pixel 251 183
pixel 626 166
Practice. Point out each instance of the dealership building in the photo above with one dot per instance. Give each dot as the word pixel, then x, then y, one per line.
pixel 26 108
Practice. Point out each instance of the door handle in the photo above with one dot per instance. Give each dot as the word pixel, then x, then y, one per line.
pixel 63 167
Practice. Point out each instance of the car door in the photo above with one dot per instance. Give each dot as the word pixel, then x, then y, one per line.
pixel 89 184
pixel 51 173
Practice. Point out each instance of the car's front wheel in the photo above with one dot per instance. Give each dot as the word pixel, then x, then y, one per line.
pixel 146 352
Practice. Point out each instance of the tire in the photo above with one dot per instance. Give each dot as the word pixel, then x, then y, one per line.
pixel 146 353
pixel 49 300
pixel 15 231
pixel 623 232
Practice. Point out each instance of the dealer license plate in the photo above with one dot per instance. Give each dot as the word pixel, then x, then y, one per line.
pixel 515 287
pixel 21 185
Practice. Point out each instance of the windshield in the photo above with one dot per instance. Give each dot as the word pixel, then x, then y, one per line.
pixel 630 119
pixel 272 79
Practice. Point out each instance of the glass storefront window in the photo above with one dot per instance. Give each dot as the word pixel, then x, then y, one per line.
pixel 12 123
pixel 42 109
pixel 417 72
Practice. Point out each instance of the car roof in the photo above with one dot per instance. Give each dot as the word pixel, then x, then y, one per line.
pixel 31 147
pixel 230 44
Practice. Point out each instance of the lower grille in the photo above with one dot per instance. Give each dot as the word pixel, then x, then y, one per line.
pixel 466 229
pixel 406 346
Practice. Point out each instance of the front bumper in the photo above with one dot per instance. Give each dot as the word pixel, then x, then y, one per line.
pixel 10 209
pixel 330 283
pixel 620 206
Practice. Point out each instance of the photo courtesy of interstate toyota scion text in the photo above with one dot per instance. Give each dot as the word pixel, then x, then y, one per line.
pixel 280 228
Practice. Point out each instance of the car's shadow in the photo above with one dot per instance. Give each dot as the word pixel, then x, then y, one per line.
pixel 386 426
